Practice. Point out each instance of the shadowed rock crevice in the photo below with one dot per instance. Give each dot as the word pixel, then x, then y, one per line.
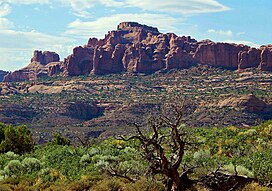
pixel 2 74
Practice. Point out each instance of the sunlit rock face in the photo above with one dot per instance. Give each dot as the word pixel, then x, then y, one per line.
pixel 138 48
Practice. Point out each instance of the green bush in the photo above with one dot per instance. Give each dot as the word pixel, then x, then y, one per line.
pixel 31 165
pixel 14 168
pixel 16 139
pixel 58 139
pixel 240 170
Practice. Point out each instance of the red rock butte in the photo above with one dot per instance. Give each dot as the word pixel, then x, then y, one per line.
pixel 139 48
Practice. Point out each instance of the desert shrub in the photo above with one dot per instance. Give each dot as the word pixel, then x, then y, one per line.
pixel 5 188
pixel 145 184
pixel 31 165
pixel 201 156
pixel 58 139
pixel 13 168
pixel 112 184
pixel 261 165
pixel 254 187
pixel 85 158
pixel 6 157
pixel 85 183
pixel 11 155
pixel 50 175
pixel 240 170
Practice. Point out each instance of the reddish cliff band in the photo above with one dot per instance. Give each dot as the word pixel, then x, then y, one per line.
pixel 139 48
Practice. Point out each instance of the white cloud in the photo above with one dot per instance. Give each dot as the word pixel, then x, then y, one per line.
pixel 5 23
pixel 80 7
pixel 102 25
pixel 26 2
pixel 17 47
pixel 179 6
pixel 112 3
pixel 5 9
pixel 240 33
pixel 245 42
pixel 227 33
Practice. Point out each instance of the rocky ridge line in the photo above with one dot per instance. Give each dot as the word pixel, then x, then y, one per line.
pixel 139 48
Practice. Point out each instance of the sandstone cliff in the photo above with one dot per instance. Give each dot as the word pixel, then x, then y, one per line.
pixel 42 64
pixel 142 49
pixel 139 48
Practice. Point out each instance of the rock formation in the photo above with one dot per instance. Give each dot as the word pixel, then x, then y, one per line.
pixel 219 54
pixel 248 103
pixel 249 58
pixel 143 49
pixel 80 62
pixel 266 58
pixel 42 64
pixel 45 57
pixel 2 74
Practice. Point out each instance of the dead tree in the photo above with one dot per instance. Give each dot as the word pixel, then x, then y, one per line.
pixel 164 144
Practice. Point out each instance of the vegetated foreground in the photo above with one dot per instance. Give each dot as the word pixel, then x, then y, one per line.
pixel 102 105
pixel 214 159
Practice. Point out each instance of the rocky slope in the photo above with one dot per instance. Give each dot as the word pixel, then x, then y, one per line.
pixel 105 103
pixel 139 48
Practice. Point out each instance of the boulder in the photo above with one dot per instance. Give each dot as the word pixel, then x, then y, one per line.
pixel 249 103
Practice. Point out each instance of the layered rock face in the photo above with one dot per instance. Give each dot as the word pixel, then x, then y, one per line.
pixel 219 54
pixel 42 64
pixel 266 58
pixel 143 49
pixel 132 48
pixel 80 62
pixel 45 57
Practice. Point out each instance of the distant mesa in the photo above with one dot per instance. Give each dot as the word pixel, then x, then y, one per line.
pixel 137 48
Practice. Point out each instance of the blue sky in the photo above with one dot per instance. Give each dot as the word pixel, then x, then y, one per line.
pixel 60 25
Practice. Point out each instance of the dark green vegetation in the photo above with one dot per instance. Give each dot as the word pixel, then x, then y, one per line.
pixel 19 139
pixel 115 164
